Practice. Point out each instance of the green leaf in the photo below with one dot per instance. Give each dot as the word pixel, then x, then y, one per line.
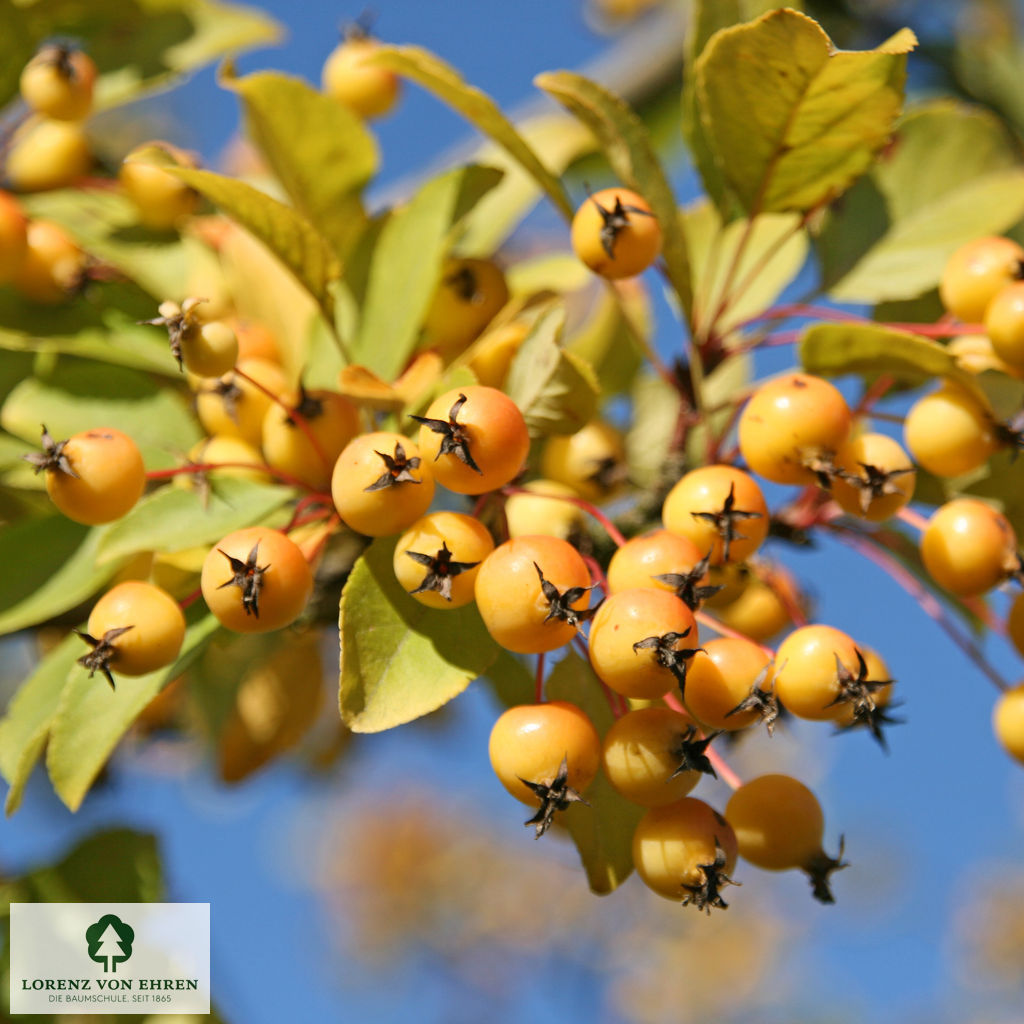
pixel 407 262
pixel 318 149
pixel 50 566
pixel 941 146
pixel 284 231
pixel 855 223
pixel 512 682
pixel 112 866
pixel 562 140
pixel 656 406
pixel 81 395
pixel 792 121
pixel 742 268
pixel 475 106
pixel 91 718
pixel 627 145
pixel 706 18
pixel 399 659
pixel 834 349
pixel 25 726
pixel 555 389
pixel 602 831
pixel 910 257
pixel 606 342
pixel 719 387
pixel 173 518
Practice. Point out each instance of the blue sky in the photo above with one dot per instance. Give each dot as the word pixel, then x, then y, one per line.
pixel 945 801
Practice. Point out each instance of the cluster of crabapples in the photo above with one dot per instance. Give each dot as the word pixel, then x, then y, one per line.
pixel 517 556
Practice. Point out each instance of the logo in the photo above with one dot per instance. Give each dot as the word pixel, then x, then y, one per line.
pixel 110 941
pixel 113 958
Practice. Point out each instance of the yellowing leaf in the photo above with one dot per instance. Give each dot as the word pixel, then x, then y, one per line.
pixel 319 150
pixel 793 122
pixel 399 659
pixel 476 107
pixel 366 388
pixel 626 144
pixel 555 389
pixel 284 231
pixel 406 266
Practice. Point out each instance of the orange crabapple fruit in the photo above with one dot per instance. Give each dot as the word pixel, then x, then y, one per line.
pixel 974 353
pixel 365 89
pixel 492 355
pixel 544 510
pixel 437 558
pixel 810 666
pixel 545 755
pixel 1004 324
pixel 135 628
pixel 380 484
pixel 533 593
pixel 474 438
pixel 615 233
pixel 791 425
pixel 256 580
pixel 643 559
pixel 13 236
pixel 721 509
pixel 1008 722
pixel 650 756
pixel 161 199
pixel 233 406
pixel 721 684
pixel 58 82
pixel 94 476
pixel 331 418
pixel 976 273
pixel 469 295
pixel 968 547
pixel 948 432
pixel 592 461
pixel 46 154
pixel 254 339
pixel 685 851
pixel 215 450
pixel 778 822
pixel 641 642
pixel 876 477
pixel 53 267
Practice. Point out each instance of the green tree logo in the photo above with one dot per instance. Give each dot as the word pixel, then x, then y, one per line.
pixel 110 942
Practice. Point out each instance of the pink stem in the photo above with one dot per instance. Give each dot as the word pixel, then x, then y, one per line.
pixel 862 544
pixel 937 330
pixel 912 518
pixel 720 627
pixel 207 467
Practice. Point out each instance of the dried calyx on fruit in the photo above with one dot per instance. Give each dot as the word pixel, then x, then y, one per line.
pixel 859 692
pixel 688 586
pixel 762 701
pixel 441 569
pixel 554 796
pixel 692 755
pixel 560 603
pixel 668 655
pixel 397 469
pixel 454 439
pixel 707 893
pixel 102 653
pixel 248 577
pixel 182 323
pixel 724 521
pixel 52 456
